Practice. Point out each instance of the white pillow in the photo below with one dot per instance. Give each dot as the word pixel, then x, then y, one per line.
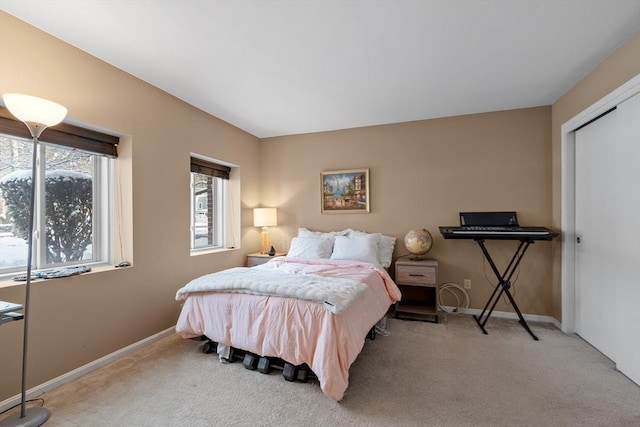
pixel 386 245
pixel 385 250
pixel 331 235
pixel 310 247
pixel 357 248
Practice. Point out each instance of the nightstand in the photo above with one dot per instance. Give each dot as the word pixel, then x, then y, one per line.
pixel 417 281
pixel 257 258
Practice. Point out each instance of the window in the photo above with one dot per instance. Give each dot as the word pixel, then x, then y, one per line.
pixel 73 196
pixel 209 194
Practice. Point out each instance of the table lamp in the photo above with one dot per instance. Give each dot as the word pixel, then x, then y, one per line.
pixel 265 218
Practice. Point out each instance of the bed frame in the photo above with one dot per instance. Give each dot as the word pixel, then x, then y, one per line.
pixel 265 364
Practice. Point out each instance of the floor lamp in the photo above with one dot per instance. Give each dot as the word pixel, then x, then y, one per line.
pixel 38 114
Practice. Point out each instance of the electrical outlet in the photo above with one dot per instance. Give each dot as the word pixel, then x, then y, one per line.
pixel 467 283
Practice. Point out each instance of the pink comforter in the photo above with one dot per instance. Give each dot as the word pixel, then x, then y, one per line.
pixel 295 330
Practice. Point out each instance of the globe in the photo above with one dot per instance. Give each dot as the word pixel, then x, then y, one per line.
pixel 418 242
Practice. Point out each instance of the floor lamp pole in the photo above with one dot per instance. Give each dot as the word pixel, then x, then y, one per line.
pixel 37 114
pixel 38 415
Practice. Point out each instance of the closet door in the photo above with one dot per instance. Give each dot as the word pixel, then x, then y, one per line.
pixel 595 222
pixel 608 225
pixel 627 239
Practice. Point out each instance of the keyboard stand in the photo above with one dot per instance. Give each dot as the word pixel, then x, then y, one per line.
pixel 504 283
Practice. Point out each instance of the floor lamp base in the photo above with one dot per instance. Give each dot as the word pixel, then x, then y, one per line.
pixel 33 417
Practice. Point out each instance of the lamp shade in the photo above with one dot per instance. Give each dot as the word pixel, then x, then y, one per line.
pixel 31 109
pixel 265 217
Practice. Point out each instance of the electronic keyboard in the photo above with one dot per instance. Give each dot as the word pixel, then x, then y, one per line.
pixel 497 232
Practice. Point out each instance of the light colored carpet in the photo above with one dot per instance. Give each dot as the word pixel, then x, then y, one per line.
pixel 422 374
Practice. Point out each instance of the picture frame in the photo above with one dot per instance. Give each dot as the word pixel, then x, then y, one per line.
pixel 345 191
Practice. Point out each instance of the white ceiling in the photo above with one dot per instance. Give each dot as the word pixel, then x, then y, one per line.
pixel 287 67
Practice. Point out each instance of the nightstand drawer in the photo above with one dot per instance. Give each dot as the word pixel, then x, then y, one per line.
pixel 258 258
pixel 415 275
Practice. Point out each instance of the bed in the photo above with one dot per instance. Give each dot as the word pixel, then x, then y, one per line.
pixel 324 331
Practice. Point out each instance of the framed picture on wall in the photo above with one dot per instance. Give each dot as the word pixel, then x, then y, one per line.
pixel 345 191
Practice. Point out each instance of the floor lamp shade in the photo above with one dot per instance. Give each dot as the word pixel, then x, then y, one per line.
pixel 265 218
pixel 37 114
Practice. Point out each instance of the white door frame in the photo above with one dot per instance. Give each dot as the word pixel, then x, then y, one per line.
pixel 568 155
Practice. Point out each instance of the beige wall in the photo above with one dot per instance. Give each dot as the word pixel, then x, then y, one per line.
pixel 417 181
pixel 422 174
pixel 621 66
pixel 79 319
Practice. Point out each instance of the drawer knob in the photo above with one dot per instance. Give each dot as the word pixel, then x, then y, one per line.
pixel 416 275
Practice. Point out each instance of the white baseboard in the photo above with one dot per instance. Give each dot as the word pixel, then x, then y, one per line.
pixel 510 315
pixel 83 370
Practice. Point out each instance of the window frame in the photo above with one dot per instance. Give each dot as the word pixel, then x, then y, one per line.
pixel 217 174
pixel 103 148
